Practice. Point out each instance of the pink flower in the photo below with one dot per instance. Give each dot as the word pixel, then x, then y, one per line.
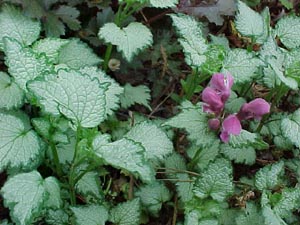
pixel 222 84
pixel 231 125
pixel 213 102
pixel 254 109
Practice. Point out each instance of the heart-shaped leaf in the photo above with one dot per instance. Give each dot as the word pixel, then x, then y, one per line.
pixel 129 40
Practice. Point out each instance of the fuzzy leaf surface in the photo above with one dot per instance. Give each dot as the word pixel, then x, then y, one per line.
pixel 15 25
pixel 163 3
pixel 114 89
pixel 20 146
pixel 23 64
pixel 126 154
pixel 77 54
pixel 24 195
pixel 241 64
pixel 156 143
pixel 53 189
pixel 90 215
pixel 11 96
pixel 248 22
pixel 291 128
pixel 194 121
pixel 288 31
pixel 289 202
pixel 126 39
pixel 76 96
pixel 216 181
pixel 268 177
pixel 127 213
pixel 89 185
pixel 191 39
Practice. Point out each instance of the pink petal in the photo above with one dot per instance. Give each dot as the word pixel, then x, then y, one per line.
pixel 232 125
pixel 224 136
pixel 212 100
pixel 254 109
pixel 222 84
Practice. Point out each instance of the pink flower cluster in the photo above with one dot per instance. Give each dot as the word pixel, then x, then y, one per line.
pixel 215 96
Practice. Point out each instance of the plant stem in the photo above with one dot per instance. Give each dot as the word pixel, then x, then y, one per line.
pixel 191 84
pixel 72 169
pixel 107 57
pixel 56 159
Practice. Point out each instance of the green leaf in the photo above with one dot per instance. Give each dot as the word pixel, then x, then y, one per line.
pixel 89 185
pixel 248 22
pixel 76 96
pixel 58 216
pixel 191 39
pixel 125 154
pixel 152 197
pixel 287 4
pixel 126 39
pixel 288 31
pixel 53 189
pixel 216 181
pixel 24 195
pixel 289 202
pixel 135 95
pixel 269 176
pixel 194 121
pixel 23 64
pixel 51 47
pixel 271 218
pixel 90 215
pixel 114 89
pixel 163 3
pixel 15 25
pixel 155 141
pixel 20 146
pixel 251 215
pixel 241 148
pixel 126 213
pixel 290 128
pixel 209 222
pixel 53 26
pixel 69 15
pixel 76 54
pixel 241 64
pixel 11 96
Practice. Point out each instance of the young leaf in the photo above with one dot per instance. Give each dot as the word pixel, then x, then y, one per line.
pixel 125 154
pixel 216 181
pixel 20 146
pixel 23 64
pixel 126 39
pixel 90 215
pixel 89 185
pixel 241 64
pixel 126 213
pixel 76 54
pixel 24 195
pixel 15 25
pixel 156 143
pixel 290 127
pixel 114 89
pixel 152 197
pixel 248 22
pixel 135 95
pixel 76 96
pixel 191 39
pixel 288 31
pixel 163 3
pixel 11 96
pixel 194 120
pixel 51 47
pixel 268 177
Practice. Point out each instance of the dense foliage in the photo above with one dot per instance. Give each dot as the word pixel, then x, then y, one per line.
pixel 109 117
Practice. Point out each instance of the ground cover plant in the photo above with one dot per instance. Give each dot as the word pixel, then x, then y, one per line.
pixel 149 112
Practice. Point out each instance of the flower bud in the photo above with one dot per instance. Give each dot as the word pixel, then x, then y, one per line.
pixel 214 124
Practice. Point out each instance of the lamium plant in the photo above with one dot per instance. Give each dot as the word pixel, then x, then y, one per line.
pixel 81 143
